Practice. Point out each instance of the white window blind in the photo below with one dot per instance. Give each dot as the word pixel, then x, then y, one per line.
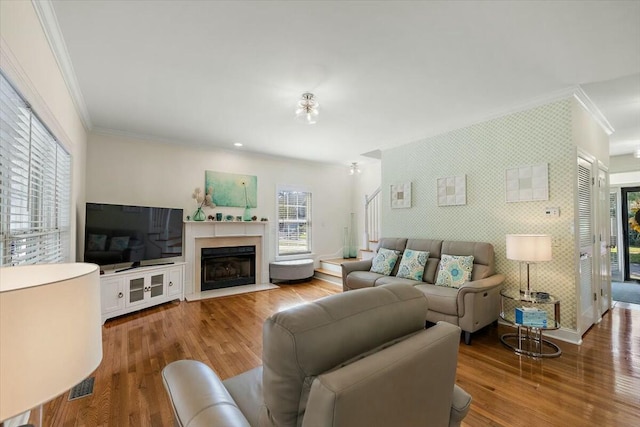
pixel 35 186
pixel 294 222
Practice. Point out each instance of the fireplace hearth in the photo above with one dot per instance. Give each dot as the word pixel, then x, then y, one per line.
pixel 224 267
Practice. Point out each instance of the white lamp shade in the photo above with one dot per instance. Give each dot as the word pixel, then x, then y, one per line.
pixel 50 332
pixel 529 247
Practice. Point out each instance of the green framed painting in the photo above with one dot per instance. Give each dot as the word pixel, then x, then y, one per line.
pixel 230 189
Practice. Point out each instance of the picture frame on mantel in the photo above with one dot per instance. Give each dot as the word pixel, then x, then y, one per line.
pixel 401 195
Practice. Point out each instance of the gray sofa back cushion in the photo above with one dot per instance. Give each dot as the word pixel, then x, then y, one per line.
pixel 395 244
pixel 483 257
pixel 434 248
pixel 301 343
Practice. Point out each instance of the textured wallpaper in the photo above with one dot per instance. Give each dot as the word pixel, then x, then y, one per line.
pixel 483 152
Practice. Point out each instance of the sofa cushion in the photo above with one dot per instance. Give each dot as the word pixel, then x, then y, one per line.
pixel 388 280
pixel 442 299
pixel 384 261
pixel 246 391
pixel 412 264
pixel 454 270
pixel 363 279
pixel 483 256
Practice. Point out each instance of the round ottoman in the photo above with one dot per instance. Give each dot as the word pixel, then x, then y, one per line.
pixel 297 269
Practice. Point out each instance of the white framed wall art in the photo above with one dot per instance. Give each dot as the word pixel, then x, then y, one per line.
pixel 452 190
pixel 401 195
pixel 527 183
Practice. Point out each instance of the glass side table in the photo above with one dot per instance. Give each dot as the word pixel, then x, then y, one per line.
pixel 528 341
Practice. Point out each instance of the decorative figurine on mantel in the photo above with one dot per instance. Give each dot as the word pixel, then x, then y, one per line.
pixel 202 200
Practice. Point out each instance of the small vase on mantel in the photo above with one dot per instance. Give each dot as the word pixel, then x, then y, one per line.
pixel 247 214
pixel 199 215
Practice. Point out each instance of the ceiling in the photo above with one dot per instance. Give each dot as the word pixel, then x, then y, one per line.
pixel 385 73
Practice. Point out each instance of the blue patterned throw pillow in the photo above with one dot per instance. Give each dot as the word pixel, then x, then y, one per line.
pixel 454 270
pixel 412 265
pixel 384 261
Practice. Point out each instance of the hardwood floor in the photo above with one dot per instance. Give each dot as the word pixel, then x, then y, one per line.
pixel 596 384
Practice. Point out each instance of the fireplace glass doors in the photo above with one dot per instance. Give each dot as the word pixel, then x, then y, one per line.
pixel 227 266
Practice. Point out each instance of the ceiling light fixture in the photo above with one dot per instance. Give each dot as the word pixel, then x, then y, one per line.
pixel 354 169
pixel 238 144
pixel 307 110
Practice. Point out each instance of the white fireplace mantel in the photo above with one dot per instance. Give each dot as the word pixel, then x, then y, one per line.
pixel 199 234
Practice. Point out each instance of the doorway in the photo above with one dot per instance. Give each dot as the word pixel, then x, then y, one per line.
pixel 630 198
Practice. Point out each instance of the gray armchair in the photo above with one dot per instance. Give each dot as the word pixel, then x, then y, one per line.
pixel 352 359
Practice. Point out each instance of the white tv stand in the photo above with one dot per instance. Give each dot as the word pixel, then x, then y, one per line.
pixel 132 290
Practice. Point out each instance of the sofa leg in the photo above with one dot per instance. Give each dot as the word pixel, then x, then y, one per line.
pixel 467 338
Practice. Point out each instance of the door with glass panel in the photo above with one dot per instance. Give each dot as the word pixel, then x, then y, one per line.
pixel 614 250
pixel 631 232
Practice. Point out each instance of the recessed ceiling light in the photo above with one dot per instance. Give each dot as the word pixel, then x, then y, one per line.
pixel 238 144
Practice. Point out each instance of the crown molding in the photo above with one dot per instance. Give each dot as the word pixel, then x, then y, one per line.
pixel 49 21
pixel 592 109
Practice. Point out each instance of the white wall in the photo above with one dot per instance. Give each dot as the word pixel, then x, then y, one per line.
pixel 625 163
pixel 364 184
pixel 624 171
pixel 28 62
pixel 125 170
pixel 588 135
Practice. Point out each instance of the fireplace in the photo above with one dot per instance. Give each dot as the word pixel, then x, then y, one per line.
pixel 223 267
pixel 218 234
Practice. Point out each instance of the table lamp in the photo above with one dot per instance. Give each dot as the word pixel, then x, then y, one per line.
pixel 528 249
pixel 50 332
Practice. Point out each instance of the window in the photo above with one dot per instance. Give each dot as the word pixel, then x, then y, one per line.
pixel 35 183
pixel 294 221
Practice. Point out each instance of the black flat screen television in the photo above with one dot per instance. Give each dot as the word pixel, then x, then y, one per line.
pixel 119 234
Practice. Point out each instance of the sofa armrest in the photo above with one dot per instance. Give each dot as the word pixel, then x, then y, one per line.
pixel 459 406
pixel 479 302
pixel 198 397
pixel 348 267
pixel 480 285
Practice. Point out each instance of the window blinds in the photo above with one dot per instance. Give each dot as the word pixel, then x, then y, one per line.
pixel 35 186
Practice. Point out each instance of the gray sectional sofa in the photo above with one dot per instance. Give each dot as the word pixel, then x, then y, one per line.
pixel 472 306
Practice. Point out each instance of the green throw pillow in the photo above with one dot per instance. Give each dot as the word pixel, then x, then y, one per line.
pixel 454 270
pixel 412 264
pixel 384 261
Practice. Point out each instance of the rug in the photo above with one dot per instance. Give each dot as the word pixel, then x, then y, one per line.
pixel 234 290
pixel 625 292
